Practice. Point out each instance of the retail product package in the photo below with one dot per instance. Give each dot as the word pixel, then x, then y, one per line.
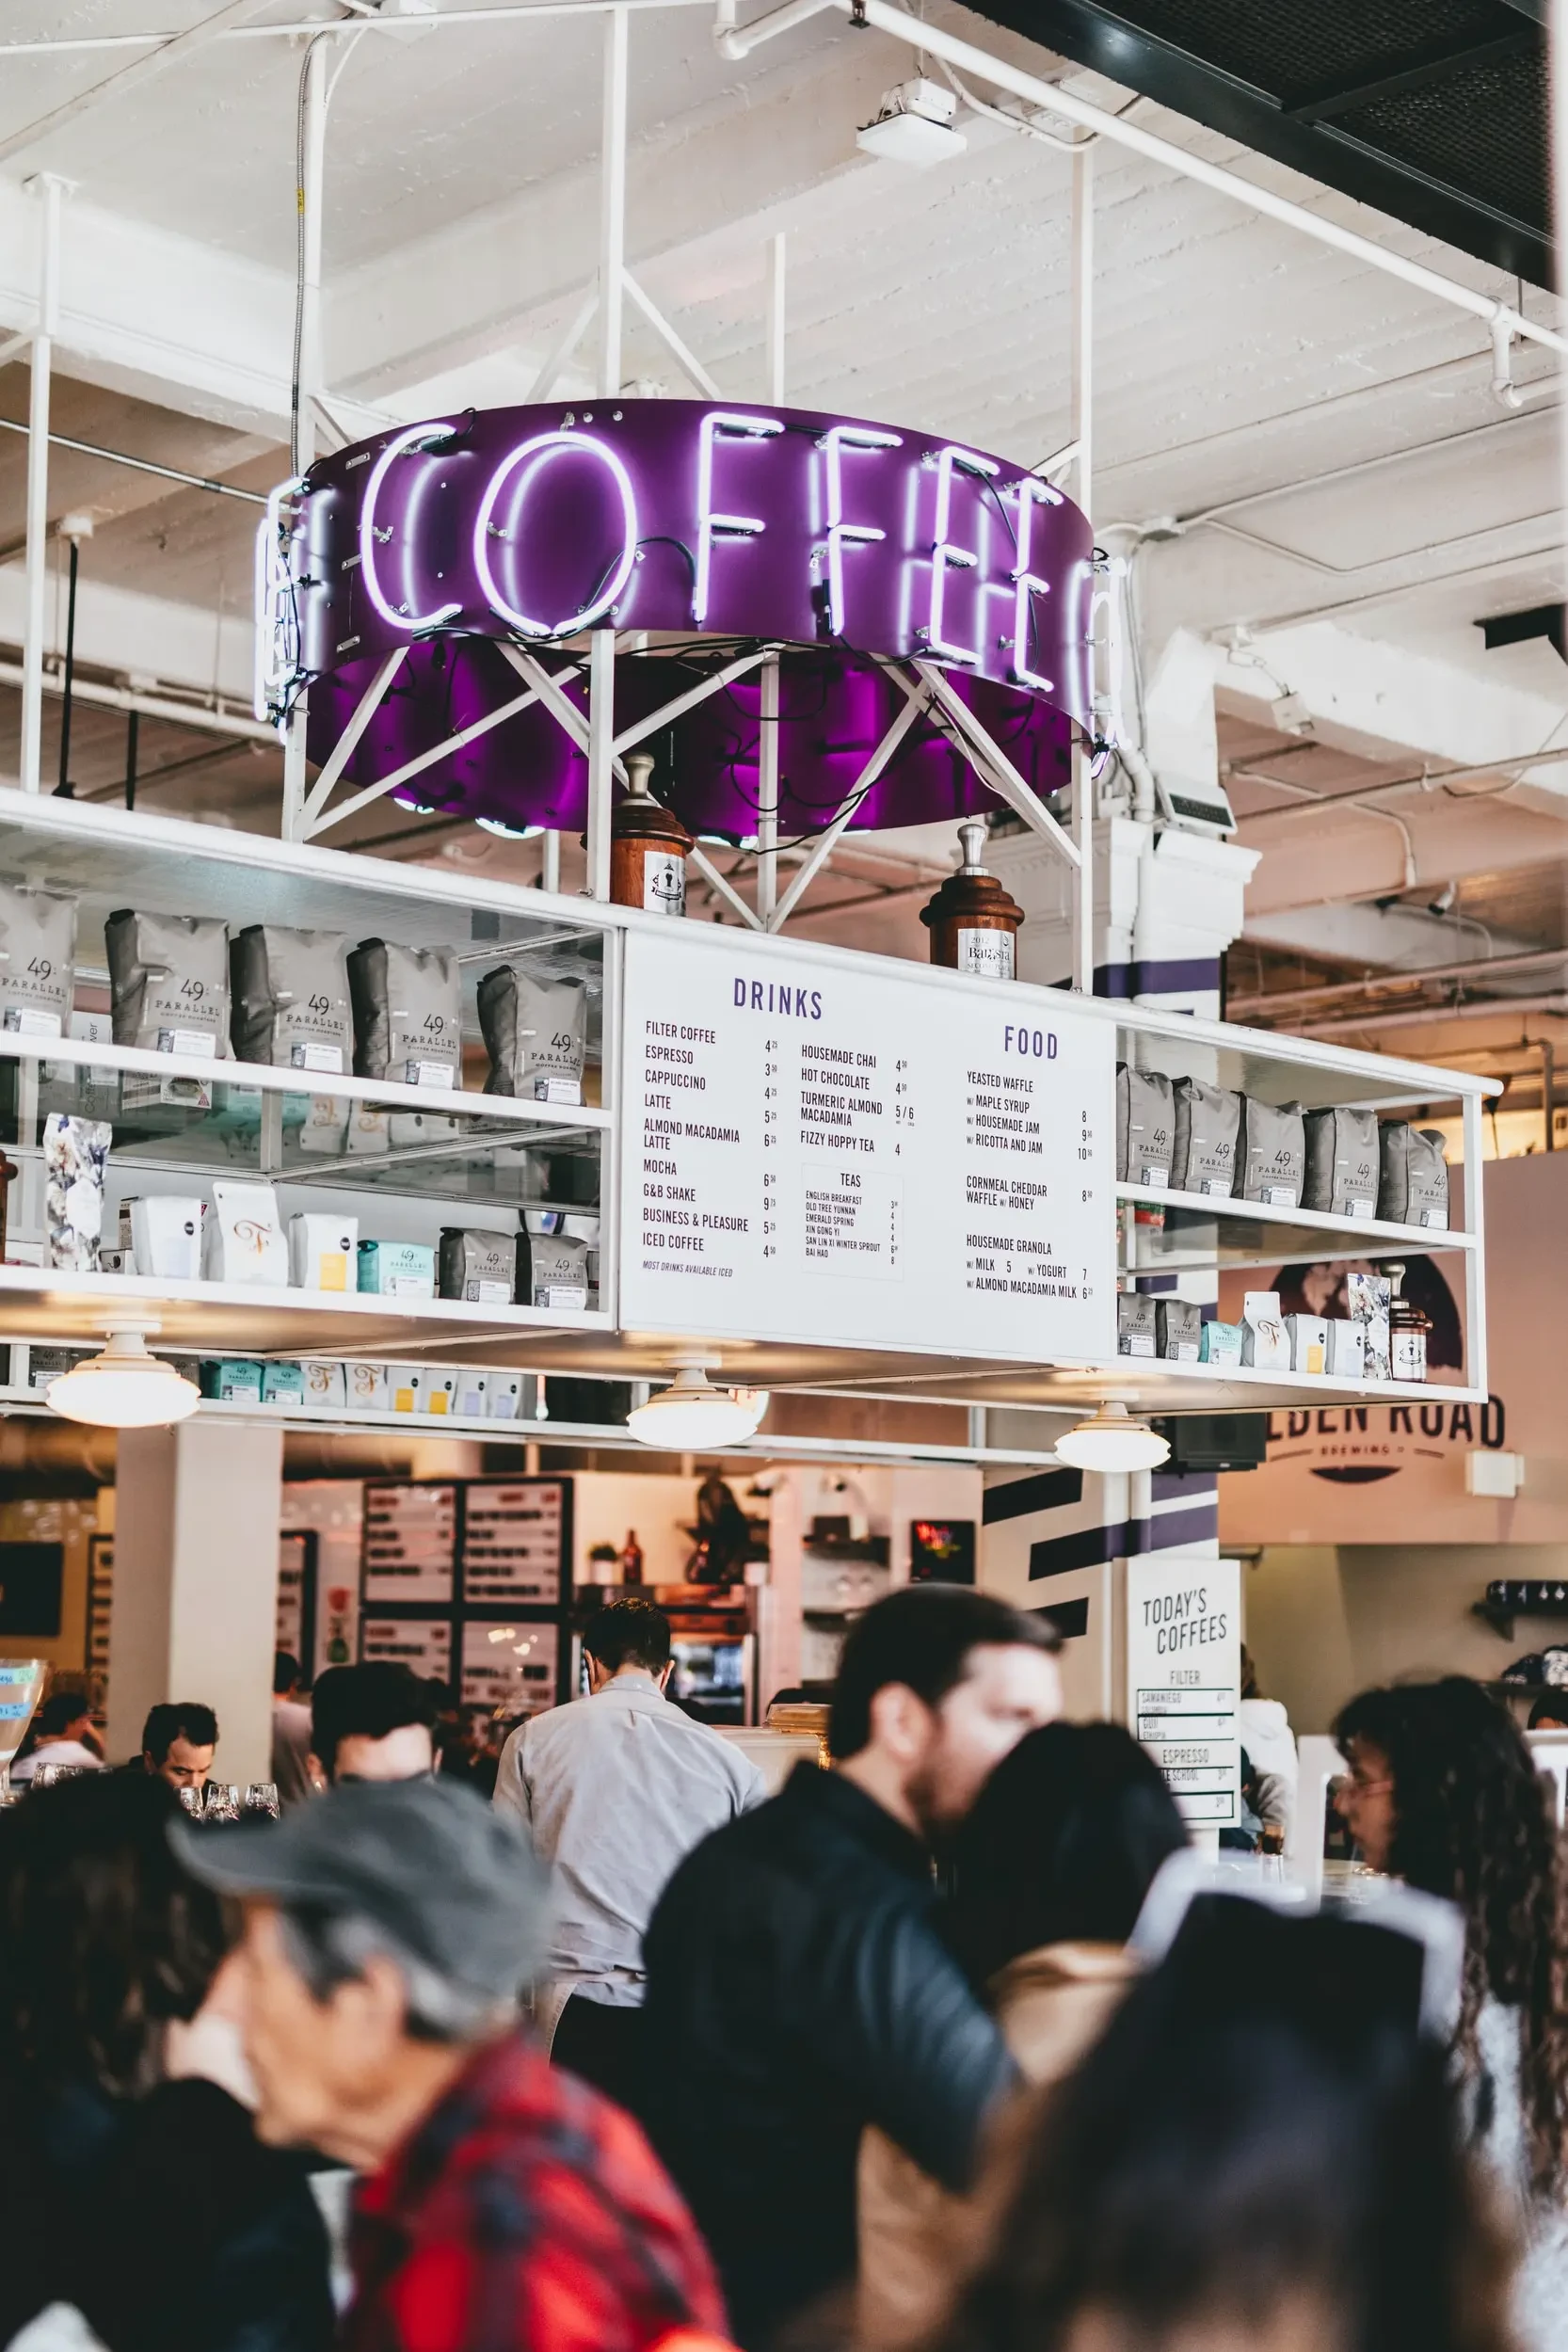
pixel 1272 1157
pixel 325 1386
pixel 536 1032
pixel 504 1395
pixel 162 1234
pixel 47 1363
pixel 1341 1162
pixel 168 982
pixel 1136 1324
pixel 368 1387
pixel 75 1153
pixel 1265 1341
pixel 324 1253
pixel 1347 1348
pixel 554 1252
pixel 1414 1184
pixel 420 1127
pixel 478 1266
pixel 1368 1297
pixel 568 1177
pixel 398 1269
pixel 232 1380
pixel 289 992
pixel 473 1400
pixel 1178 1329
pixel 421 1389
pixel 1308 1337
pixel 1146 1126
pixel 242 1237
pixel 362 1133
pixel 37 960
pixel 408 1012
pixel 283 1385
pixel 1221 1343
pixel 1208 1129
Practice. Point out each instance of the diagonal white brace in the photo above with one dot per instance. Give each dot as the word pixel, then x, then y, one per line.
pixel 565 345
pixel 682 703
pixel 709 873
pixel 993 765
pixel 686 358
pixel 551 693
pixel 14 345
pixel 427 759
pixel 914 708
pixel 344 749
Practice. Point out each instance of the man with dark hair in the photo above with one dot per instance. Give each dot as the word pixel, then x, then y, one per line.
pixel 177 1742
pixel 63 1736
pixel 373 1722
pixel 503 2207
pixel 797 1987
pixel 614 1789
pixel 291 1732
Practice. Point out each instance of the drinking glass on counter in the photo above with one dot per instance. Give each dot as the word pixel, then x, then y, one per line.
pixel 223 1802
pixel 261 1801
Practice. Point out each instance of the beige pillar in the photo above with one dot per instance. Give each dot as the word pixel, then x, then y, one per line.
pixel 196 1511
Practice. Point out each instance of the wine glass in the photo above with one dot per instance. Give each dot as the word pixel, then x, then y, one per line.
pixel 223 1802
pixel 261 1801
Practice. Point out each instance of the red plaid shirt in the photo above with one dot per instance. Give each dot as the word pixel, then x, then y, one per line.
pixel 525 2213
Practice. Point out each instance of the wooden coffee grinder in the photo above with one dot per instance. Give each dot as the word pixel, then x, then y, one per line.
pixel 972 920
pixel 648 847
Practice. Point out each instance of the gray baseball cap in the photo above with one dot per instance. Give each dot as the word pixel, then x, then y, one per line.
pixel 452 1881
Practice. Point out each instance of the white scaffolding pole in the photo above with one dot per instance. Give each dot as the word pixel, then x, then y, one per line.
pixel 312 179
pixel 1083 428
pixel 49 190
pixel 767 711
pixel 612 297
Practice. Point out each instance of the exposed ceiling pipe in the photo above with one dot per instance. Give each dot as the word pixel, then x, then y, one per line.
pixel 141 465
pixel 1429 780
pixel 150 706
pixel 735 45
pixel 172 46
pixel 398 27
pixel 1339 991
pixel 1430 1016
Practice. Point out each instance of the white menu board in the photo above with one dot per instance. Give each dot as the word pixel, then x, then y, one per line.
pixel 864 1156
pixel 423 1644
pixel 510 1669
pixel 513 1540
pixel 1184 1678
pixel 410 1543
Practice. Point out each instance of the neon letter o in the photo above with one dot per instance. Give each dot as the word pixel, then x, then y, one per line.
pixel 537 455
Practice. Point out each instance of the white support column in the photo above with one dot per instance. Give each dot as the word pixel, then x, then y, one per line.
pixel 309 196
pixel 612 297
pixel 49 190
pixel 767 745
pixel 1084 427
pixel 197 1516
pixel 773 338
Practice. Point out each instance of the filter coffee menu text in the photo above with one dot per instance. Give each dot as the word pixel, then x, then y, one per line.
pixel 863 1157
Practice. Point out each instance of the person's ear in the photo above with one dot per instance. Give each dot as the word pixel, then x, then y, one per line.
pixel 666 1672
pixel 371 2012
pixel 900 1723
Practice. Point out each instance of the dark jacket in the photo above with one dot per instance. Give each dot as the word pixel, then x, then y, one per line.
pixel 796 1992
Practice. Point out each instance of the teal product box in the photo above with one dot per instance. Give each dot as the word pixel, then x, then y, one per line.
pixel 232 1380
pixel 403 1269
pixel 1222 1344
pixel 283 1385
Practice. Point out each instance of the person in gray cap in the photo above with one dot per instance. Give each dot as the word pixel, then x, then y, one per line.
pixel 388 1931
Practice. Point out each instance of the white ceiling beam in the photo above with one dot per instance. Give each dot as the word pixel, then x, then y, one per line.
pixel 134 635
pixel 130 78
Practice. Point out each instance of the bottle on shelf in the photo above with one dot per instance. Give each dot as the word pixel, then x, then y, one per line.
pixel 648 847
pixel 630 1559
pixel 1409 1328
pixel 973 920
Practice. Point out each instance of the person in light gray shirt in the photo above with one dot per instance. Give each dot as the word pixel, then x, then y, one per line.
pixel 614 1789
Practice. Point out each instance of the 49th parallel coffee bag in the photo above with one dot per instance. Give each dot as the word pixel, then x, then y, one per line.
pixel 1146 1127
pixel 168 982
pixel 1414 1183
pixel 291 999
pixel 536 1032
pixel 1273 1160
pixel 1341 1162
pixel 37 960
pixel 478 1266
pixel 407 1013
pixel 1208 1129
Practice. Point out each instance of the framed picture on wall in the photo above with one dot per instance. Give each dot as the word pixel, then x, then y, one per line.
pixel 941 1551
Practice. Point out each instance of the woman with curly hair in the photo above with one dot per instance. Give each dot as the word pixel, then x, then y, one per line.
pixel 1442 1793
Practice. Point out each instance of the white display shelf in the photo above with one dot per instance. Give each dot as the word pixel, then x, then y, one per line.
pixel 1251 1233
pixel 1160 1387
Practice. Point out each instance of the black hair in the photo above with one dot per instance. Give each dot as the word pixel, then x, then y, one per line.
pixel 103 1935
pixel 58 1712
pixel 1474 1822
pixel 286 1670
pixel 921 1636
pixel 629 1633
pixel 367 1701
pixel 1254 2132
pixel 178 1718
pixel 1062 1846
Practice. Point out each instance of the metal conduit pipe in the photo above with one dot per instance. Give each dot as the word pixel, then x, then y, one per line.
pixel 141 465
pixel 735 44
pixel 150 706
pixel 1430 1015
pixel 1245 1008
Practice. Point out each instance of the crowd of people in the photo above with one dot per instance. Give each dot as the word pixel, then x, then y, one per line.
pixel 953 2044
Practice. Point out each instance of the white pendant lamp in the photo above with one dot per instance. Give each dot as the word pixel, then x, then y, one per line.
pixel 1111 1440
pixel 124 1387
pixel 692 1416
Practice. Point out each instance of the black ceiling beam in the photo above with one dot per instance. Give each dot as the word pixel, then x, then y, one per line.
pixel 1433 63
pixel 1541 620
pixel 1110 44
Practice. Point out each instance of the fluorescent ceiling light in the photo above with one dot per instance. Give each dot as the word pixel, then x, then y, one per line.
pixel 123 1389
pixel 1111 1440
pixel 690 1416
pixel 914 125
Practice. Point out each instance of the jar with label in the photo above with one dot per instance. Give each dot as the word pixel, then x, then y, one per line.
pixel 648 847
pixel 973 919
pixel 1409 1330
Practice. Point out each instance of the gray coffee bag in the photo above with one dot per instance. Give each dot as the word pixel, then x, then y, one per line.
pixel 407 1013
pixel 1414 1184
pixel 1146 1126
pixel 1341 1162
pixel 290 998
pixel 1271 1157
pixel 478 1266
pixel 37 960
pixel 1178 1329
pixel 168 982
pixel 1208 1127
pixel 536 1030
pixel 1136 1323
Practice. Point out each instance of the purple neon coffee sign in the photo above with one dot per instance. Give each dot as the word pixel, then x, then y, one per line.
pixel 537 523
